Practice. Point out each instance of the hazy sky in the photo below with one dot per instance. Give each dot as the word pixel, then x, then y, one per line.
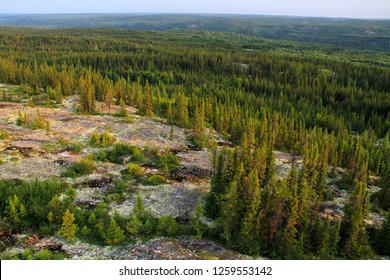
pixel 329 8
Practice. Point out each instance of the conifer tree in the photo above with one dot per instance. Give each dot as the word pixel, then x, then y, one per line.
pixel 139 209
pixel 247 241
pixel 288 236
pixel 335 240
pixel 383 196
pixel 260 162
pixel 138 94
pixel 230 216
pixel 167 226
pixel 108 93
pixel 212 208
pixel 356 244
pixel 86 94
pixel 181 110
pixel 68 228
pixel 199 126
pixel 147 104
pixel 382 238
pixel 15 211
pixel 114 234
pixel 134 226
pixel 196 219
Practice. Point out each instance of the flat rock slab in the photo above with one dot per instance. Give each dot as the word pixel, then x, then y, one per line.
pixel 181 248
pixel 29 169
pixel 177 200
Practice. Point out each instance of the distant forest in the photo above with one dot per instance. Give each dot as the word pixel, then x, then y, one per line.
pixel 350 33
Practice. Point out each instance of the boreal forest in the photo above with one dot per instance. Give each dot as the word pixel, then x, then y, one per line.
pixel 292 136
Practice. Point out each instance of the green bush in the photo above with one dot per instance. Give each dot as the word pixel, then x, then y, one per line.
pixel 4 134
pixel 138 155
pixel 156 180
pixel 103 140
pixel 83 167
pixel 48 255
pixel 118 151
pixel 167 226
pixel 135 170
pixel 75 147
pixel 34 196
pixel 168 162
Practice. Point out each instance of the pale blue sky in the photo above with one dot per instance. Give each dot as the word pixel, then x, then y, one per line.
pixel 328 8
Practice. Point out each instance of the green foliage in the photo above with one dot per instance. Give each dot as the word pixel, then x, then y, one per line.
pixel 116 153
pixel 15 211
pixel 199 137
pixel 167 226
pixel 4 134
pixel 135 171
pixel 381 239
pixel 147 106
pixel 137 155
pixel 27 203
pixel 68 229
pixel 30 254
pixel 86 90
pixel 141 223
pixel 103 140
pixel 134 226
pixel 196 220
pixel 75 146
pixel 114 234
pixel 139 209
pixel 38 122
pixel 156 180
pixel 383 196
pixel 355 238
pixel 84 167
pixel 122 111
pixel 328 31
pixel 167 163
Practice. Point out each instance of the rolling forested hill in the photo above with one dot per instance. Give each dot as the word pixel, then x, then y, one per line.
pixel 350 33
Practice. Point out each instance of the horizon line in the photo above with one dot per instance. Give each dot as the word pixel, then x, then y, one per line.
pixel 191 13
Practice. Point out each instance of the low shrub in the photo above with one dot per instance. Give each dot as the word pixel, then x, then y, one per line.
pixel 156 180
pixel 83 167
pixel 4 134
pixel 135 170
pixel 103 140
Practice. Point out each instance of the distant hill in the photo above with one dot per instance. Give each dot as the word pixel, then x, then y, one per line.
pixel 350 33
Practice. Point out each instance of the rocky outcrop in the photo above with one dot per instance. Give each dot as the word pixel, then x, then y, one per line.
pixel 181 248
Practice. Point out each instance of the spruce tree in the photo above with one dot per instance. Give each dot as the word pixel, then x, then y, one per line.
pixel 134 226
pixel 68 228
pixel 381 240
pixel 196 219
pixel 16 211
pixel 139 208
pixel 147 104
pixel 247 238
pixel 199 126
pixel 356 244
pixel 114 234
pixel 108 93
pixel 181 110
pixel 167 226
pixel 212 207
